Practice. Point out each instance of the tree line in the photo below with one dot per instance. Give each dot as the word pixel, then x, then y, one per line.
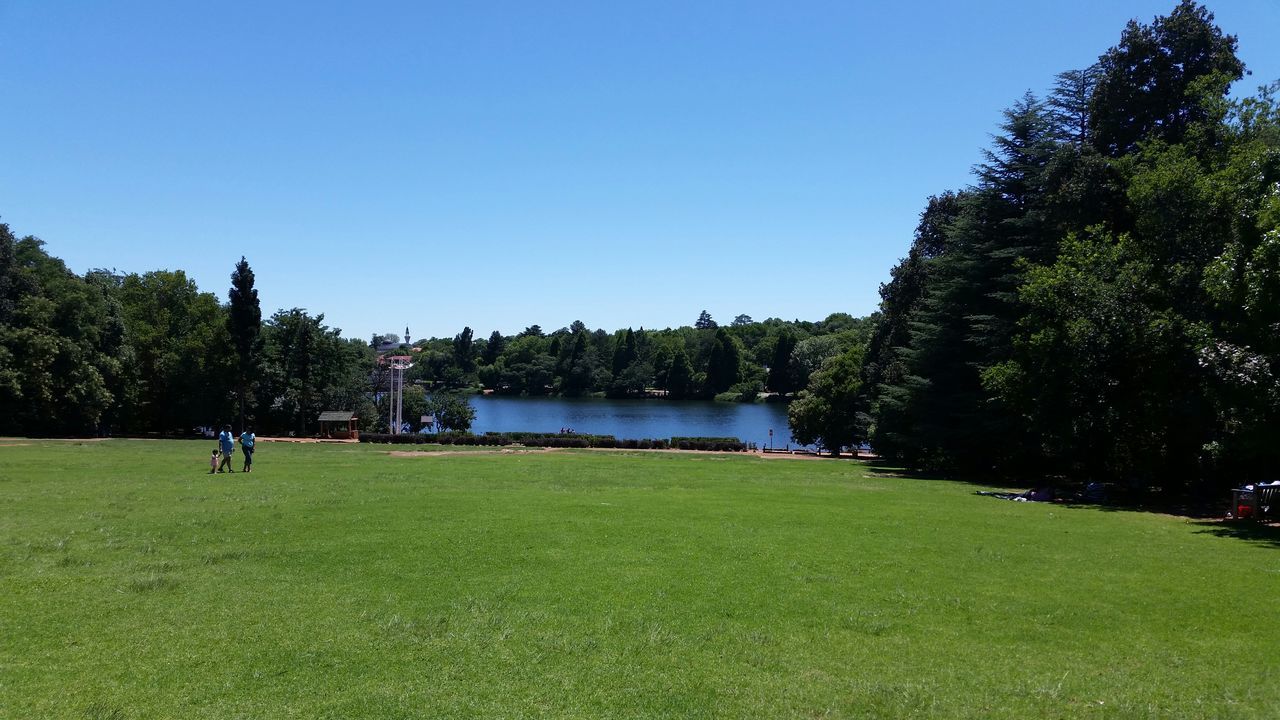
pixel 1104 301
pixel 107 352
pixel 702 361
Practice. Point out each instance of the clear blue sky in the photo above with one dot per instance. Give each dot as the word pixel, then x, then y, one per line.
pixel 501 164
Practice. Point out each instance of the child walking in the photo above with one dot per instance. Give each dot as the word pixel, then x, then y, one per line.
pixel 213 462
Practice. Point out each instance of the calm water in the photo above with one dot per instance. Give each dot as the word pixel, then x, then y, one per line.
pixel 633 418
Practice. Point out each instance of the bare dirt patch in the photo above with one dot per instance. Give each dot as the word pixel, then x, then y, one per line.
pixel 307 441
pixel 15 442
pixel 528 451
pixel 504 451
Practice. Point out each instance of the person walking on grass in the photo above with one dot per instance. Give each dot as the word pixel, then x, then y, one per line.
pixel 247 438
pixel 226 443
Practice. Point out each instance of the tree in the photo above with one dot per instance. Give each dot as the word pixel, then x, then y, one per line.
pixel 309 367
pixel 1160 79
pixel 885 366
pixel 579 365
pixel 62 352
pixel 244 323
pixel 966 316
pixel 741 320
pixel 1085 311
pixel 634 380
pixel 679 380
pixel 463 352
pixel 413 405
pixel 624 352
pixel 182 352
pixel 453 413
pixel 808 355
pixel 780 378
pixel 705 322
pixel 1101 373
pixel 493 348
pixel 631 374
pixel 825 413
pixel 724 367
pixel 291 339
pixel 1069 104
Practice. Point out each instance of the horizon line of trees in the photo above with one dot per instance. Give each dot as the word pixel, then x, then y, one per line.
pixel 702 361
pixel 108 352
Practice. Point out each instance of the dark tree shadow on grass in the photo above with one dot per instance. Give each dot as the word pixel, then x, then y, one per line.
pixel 1195 510
pixel 882 468
pixel 1265 534
pixel 1070 494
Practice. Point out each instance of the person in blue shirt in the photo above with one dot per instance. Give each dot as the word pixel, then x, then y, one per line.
pixel 227 443
pixel 247 438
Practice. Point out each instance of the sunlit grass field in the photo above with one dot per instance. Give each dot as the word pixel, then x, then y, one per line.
pixel 339 581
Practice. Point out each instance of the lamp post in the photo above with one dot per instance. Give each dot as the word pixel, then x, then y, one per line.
pixel 395 411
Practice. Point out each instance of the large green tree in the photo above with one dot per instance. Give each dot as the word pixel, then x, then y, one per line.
pixel 63 357
pixel 826 411
pixel 1091 305
pixel 780 377
pixel 182 351
pixel 308 368
pixel 464 351
pixel 244 323
pixel 1160 80
pixel 680 379
pixel 724 367
pixel 493 348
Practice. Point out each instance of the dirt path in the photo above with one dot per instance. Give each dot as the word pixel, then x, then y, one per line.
pixel 307 441
pixel 503 451
pixel 520 450
pixel 18 442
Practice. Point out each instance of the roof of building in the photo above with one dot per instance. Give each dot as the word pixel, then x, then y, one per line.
pixel 336 416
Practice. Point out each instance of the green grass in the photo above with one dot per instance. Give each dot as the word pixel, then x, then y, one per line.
pixel 337 581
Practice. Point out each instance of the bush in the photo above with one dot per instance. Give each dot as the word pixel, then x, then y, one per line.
pixel 714 444
pixel 747 392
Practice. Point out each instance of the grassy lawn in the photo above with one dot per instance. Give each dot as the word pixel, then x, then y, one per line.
pixel 338 581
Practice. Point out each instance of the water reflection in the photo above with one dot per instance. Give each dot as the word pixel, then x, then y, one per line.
pixel 633 418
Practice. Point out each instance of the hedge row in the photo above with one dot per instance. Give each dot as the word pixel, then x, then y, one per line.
pixel 556 441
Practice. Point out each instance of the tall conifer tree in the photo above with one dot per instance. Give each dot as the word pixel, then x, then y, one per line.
pixel 244 323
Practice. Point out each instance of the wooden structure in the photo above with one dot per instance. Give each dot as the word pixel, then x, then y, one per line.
pixel 339 425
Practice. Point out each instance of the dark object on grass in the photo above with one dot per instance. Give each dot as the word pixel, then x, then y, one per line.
pixel 1034 495
pixel 1256 502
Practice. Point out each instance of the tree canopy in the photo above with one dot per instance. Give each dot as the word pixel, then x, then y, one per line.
pixel 1095 304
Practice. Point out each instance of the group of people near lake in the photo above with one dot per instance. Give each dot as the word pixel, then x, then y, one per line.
pixel 221 457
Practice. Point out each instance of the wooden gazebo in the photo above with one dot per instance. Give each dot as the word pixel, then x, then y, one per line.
pixel 339 425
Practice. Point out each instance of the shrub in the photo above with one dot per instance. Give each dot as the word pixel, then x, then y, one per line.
pixel 714 444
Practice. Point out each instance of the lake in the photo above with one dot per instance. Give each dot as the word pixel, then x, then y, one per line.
pixel 637 419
